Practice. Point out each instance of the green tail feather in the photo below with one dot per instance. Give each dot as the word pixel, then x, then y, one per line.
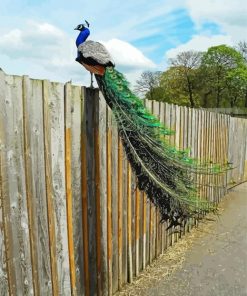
pixel 163 171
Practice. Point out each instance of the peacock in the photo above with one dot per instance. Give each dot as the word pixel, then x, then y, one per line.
pixel 162 171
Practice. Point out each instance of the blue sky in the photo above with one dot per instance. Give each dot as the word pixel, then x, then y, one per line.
pixel 37 37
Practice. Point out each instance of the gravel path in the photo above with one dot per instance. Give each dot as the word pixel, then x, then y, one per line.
pixel 215 264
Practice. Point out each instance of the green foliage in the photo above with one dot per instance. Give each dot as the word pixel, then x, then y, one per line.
pixel 215 78
pixel 221 65
pixel 179 88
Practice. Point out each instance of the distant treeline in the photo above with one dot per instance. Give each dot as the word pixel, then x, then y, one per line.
pixel 216 78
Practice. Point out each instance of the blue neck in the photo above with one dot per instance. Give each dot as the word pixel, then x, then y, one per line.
pixel 82 36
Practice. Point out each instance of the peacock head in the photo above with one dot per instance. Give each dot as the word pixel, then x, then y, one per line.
pixel 82 27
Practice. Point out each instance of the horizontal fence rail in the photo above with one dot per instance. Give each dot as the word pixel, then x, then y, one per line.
pixel 72 221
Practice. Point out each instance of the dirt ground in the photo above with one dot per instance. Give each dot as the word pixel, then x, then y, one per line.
pixel 210 261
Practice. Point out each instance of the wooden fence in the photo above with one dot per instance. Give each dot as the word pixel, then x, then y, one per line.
pixel 234 112
pixel 72 221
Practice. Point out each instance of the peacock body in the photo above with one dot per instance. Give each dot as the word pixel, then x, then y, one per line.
pixel 163 172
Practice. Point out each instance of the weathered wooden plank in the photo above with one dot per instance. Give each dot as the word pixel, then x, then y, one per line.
pixel 243 149
pixel 173 119
pixel 5 278
pixel 103 193
pixel 151 233
pixel 211 178
pixel 192 145
pixel 203 148
pixel 4 287
pixel 125 219
pixel 35 184
pixel 198 144
pixel 236 148
pixel 133 209
pixel 148 234
pixel 56 108
pixel 207 157
pixel 120 213
pixel 237 154
pixel 129 224
pixel 212 157
pixel 137 230
pixel 77 108
pixel 245 152
pixel 114 189
pixel 245 158
pixel 226 127
pixel 235 151
pixel 197 153
pixel 4 190
pixel 144 231
pixel 109 200
pixel 229 154
pixel 227 148
pixel 219 153
pixel 55 179
pixel 141 221
pixel 84 192
pixel 188 144
pixel 183 134
pixel 97 176
pixel 90 109
pixel 182 145
pixel 68 185
pixel 216 154
pixel 48 180
pixel 222 153
pixel 14 195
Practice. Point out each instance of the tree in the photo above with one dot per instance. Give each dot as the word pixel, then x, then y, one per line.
pixel 236 82
pixel 219 64
pixel 216 78
pixel 149 85
pixel 186 64
pixel 175 91
pixel 242 48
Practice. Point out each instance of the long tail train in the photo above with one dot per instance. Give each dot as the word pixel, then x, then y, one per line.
pixel 162 171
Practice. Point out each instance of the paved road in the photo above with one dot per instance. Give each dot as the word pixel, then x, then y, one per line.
pixel 210 261
pixel 217 264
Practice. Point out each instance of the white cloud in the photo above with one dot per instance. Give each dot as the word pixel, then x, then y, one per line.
pixel 37 41
pixel 44 46
pixel 229 15
pixel 126 55
pixel 199 43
